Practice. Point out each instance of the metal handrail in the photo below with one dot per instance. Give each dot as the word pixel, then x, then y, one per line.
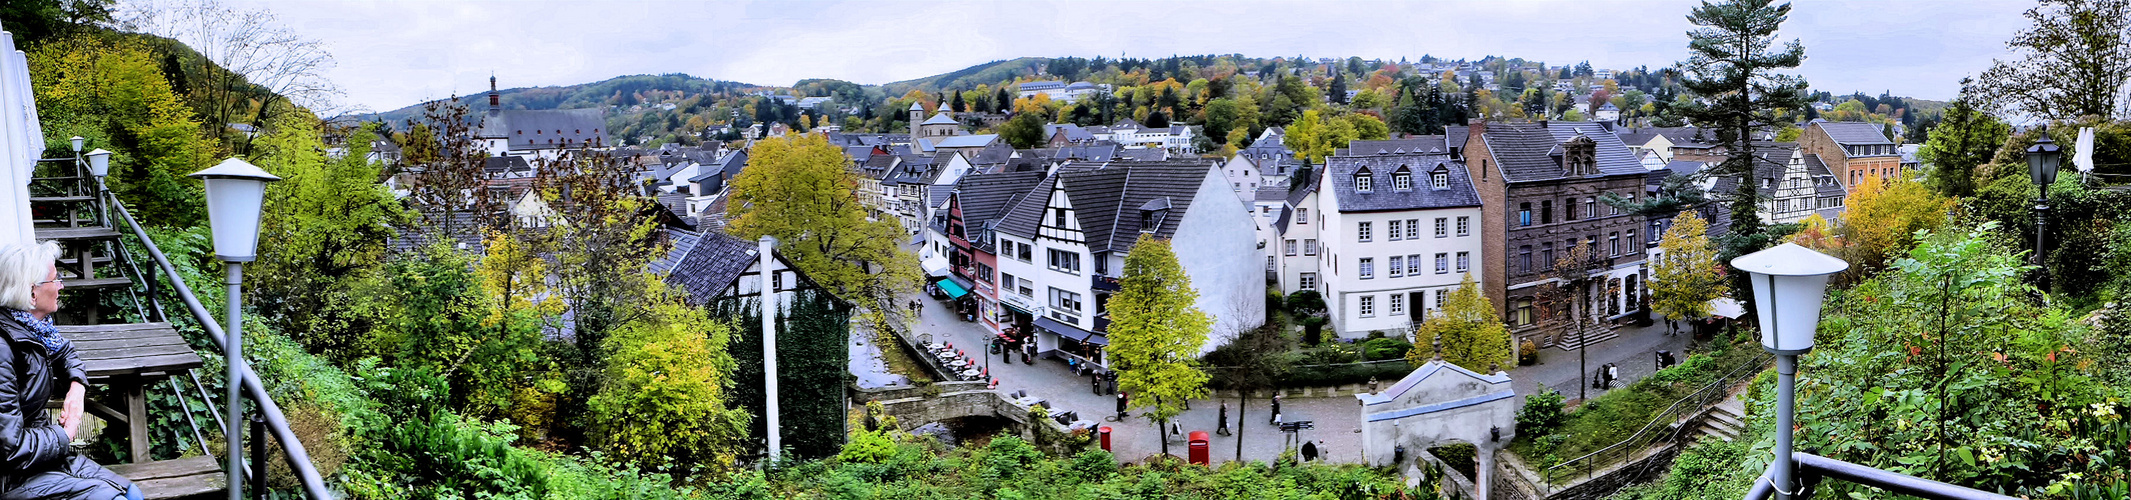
pixel 1813 468
pixel 299 459
pixel 1625 449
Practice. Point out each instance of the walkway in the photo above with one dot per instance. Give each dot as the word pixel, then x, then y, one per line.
pixel 1337 418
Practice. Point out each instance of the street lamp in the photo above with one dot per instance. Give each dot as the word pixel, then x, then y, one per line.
pixel 2042 161
pixel 78 141
pixel 1788 283
pixel 99 166
pixel 235 191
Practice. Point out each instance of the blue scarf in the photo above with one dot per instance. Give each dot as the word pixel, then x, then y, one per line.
pixel 43 330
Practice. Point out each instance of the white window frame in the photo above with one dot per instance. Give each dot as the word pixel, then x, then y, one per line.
pixel 1398 304
pixel 1308 281
pixel 1368 306
pixel 1397 267
pixel 1442 263
pixel 1368 268
pixel 1464 226
pixel 1441 180
pixel 1402 181
pixel 1291 246
pixel 1442 227
pixel 1464 261
pixel 1363 231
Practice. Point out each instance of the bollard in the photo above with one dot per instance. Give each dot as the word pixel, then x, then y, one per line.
pixel 1104 433
pixel 258 457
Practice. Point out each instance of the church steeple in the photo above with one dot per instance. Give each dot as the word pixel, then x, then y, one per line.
pixel 495 100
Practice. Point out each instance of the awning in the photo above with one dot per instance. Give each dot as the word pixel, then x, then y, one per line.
pixel 1724 307
pixel 935 266
pixel 1071 332
pixel 954 290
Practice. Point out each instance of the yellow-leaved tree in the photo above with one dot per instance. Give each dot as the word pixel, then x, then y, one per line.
pixel 1881 217
pixel 1687 276
pixel 664 389
pixel 1155 332
pixel 1465 332
pixel 798 189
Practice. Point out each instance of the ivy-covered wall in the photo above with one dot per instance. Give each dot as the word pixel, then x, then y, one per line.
pixel 813 353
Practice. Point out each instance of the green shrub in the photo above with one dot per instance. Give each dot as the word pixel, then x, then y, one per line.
pixel 1541 414
pixel 1382 348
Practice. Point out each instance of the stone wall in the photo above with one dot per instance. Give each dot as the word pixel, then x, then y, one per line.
pixel 1606 485
pixel 1513 479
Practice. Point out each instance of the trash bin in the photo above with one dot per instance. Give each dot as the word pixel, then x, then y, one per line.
pixel 1198 448
pixel 1104 432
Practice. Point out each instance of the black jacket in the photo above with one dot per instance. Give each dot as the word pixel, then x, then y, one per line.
pixel 38 462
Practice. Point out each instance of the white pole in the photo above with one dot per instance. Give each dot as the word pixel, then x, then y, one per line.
pixel 233 355
pixel 769 342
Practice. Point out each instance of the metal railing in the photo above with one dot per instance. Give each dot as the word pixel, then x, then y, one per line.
pixel 299 460
pixel 1813 468
pixel 1660 427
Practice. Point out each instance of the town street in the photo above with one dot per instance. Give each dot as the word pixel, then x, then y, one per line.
pixel 1337 418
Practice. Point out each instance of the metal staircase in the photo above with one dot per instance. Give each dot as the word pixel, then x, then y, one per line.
pixel 114 314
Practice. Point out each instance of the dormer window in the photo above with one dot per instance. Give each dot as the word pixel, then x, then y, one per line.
pixel 1440 179
pixel 1362 181
pixel 1402 180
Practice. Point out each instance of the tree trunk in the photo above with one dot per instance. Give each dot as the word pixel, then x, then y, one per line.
pixel 1161 430
pixel 1241 422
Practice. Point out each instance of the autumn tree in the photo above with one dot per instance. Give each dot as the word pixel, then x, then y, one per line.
pixel 1466 332
pixel 329 220
pixel 798 190
pixel 446 170
pixel 1687 276
pixel 663 392
pixel 2075 60
pixel 112 91
pixel 1023 131
pixel 1576 276
pixel 1156 330
pixel 247 65
pixel 1881 217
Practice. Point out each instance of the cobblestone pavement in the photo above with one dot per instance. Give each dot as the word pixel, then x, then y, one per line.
pixel 1337 418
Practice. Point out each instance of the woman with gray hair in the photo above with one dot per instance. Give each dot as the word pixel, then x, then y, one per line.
pixel 39 463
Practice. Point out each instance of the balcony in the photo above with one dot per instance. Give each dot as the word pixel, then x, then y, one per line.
pixel 1103 283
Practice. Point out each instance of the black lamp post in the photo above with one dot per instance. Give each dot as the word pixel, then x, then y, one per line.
pixel 2042 161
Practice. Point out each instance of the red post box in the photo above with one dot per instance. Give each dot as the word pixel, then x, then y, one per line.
pixel 1198 448
pixel 1104 433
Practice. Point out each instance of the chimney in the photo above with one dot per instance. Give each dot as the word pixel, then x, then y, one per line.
pixel 1478 126
pixel 1542 123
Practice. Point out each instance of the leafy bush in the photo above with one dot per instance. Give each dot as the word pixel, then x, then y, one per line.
pixel 1379 349
pixel 665 393
pixel 1527 352
pixel 1541 414
pixel 1306 303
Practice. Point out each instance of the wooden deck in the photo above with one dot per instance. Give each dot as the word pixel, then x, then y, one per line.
pixel 135 350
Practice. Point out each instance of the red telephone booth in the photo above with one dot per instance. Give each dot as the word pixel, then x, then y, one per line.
pixel 1198 448
pixel 1104 433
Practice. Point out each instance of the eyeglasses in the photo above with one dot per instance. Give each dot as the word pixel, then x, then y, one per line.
pixel 41 283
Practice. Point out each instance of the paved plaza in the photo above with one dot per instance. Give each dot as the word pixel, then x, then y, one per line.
pixel 1337 418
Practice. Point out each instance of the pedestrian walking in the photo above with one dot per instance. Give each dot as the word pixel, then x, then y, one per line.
pixel 1276 410
pixel 1612 375
pixel 1097 383
pixel 1324 450
pixel 1309 451
pixel 1223 429
pixel 1120 407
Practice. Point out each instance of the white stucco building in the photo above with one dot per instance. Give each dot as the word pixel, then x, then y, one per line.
pixel 1400 232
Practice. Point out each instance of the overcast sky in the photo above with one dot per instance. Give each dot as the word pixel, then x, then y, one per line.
pixel 396 53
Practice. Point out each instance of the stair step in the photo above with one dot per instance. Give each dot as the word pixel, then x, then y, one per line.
pixel 179 478
pixel 95 283
pixel 1719 435
pixel 61 199
pixel 1569 343
pixel 1727 420
pixel 69 263
pixel 76 233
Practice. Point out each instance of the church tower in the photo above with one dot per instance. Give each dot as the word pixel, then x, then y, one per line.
pixel 917 115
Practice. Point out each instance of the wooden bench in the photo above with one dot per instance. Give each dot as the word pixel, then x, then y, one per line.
pixel 181 478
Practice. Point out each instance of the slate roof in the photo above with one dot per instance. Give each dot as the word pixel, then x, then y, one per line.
pixel 1106 199
pixel 1528 152
pixel 546 128
pixel 1073 133
pixel 1854 133
pixel 728 165
pixel 682 240
pixel 1145 154
pixel 941 119
pixel 1455 136
pixel 1090 152
pixel 505 164
pixel 711 265
pixel 1384 196
pixel 985 199
pixel 1416 144
pixel 1772 165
